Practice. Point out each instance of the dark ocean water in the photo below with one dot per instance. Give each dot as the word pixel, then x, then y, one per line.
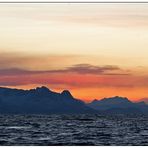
pixel 73 130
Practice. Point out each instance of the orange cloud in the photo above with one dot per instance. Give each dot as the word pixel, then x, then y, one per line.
pixel 74 76
pixel 84 80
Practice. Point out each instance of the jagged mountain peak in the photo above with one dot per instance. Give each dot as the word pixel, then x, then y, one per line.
pixel 43 88
pixel 66 93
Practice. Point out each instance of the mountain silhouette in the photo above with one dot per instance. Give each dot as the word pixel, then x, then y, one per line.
pixel 119 105
pixel 40 101
pixel 107 103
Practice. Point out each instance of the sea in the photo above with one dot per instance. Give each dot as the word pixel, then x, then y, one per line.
pixel 73 130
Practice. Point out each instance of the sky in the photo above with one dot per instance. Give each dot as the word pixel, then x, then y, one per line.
pixel 94 50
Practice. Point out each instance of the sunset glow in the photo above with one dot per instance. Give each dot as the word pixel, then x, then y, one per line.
pixel 93 50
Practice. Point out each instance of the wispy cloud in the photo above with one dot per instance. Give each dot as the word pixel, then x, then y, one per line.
pixel 19 61
pixel 79 75
pixel 89 69
pixel 79 69
pixel 100 15
pixel 75 80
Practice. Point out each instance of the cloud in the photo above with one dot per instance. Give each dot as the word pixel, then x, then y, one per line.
pixel 75 80
pixel 79 75
pixel 78 68
pixel 76 76
pixel 101 15
pixel 89 69
pixel 20 60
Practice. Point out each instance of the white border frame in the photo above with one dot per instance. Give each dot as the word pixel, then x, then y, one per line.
pixel 73 1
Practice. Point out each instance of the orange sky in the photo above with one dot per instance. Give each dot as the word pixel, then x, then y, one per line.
pixel 93 50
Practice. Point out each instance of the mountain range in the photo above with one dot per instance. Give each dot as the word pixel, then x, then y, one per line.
pixel 119 105
pixel 42 100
